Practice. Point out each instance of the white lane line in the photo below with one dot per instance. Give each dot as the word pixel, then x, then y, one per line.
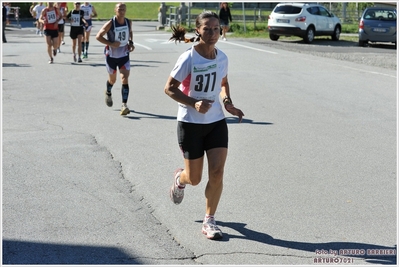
pixel 161 41
pixel 367 71
pixel 253 48
pixel 146 47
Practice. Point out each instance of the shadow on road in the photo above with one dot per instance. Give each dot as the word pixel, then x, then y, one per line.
pixel 230 120
pixel 13 65
pixel 322 42
pixel 266 239
pixel 22 252
pixel 234 120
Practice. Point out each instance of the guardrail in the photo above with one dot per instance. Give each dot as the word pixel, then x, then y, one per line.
pixel 173 18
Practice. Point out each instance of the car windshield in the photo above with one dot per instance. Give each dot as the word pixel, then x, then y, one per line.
pixel 287 10
pixel 380 14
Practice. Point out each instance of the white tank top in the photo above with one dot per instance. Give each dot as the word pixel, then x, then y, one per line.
pixel 200 78
pixel 88 11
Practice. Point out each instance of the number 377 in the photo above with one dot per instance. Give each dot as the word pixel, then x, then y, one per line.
pixel 205 82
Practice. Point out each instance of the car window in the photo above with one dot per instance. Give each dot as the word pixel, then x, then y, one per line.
pixel 287 10
pixel 380 14
pixel 314 10
pixel 385 15
pixel 369 15
pixel 324 12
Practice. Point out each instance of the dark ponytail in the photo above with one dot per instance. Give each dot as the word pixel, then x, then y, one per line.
pixel 179 32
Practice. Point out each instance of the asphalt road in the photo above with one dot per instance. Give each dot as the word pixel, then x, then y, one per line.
pixel 310 177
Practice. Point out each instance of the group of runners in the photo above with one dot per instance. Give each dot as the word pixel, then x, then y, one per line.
pixel 50 22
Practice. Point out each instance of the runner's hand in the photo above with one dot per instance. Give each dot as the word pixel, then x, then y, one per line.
pixel 234 111
pixel 203 106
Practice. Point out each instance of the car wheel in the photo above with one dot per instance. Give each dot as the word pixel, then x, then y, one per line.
pixel 336 34
pixel 309 35
pixel 362 43
pixel 274 37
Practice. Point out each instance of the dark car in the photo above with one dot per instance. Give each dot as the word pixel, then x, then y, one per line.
pixel 377 24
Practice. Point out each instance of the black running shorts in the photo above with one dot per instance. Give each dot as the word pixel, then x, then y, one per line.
pixel 52 33
pixel 195 138
pixel 75 31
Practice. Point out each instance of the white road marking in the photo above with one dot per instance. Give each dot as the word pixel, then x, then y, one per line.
pixel 146 47
pixel 253 48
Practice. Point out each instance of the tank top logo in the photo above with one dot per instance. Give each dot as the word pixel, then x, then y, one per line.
pixel 203 69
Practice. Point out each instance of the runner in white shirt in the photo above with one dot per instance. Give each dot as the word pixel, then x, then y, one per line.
pixel 198 82
pixel 90 12
pixel 38 11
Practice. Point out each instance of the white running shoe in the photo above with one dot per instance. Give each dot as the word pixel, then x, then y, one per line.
pixel 211 230
pixel 124 110
pixel 176 192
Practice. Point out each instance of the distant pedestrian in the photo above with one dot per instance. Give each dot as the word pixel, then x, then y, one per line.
pixel 37 11
pixel 90 12
pixel 4 18
pixel 198 82
pixel 8 6
pixel 63 5
pixel 225 18
pixel 31 9
pixel 118 45
pixel 33 14
pixel 77 22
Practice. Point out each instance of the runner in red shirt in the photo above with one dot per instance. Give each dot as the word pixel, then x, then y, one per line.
pixel 50 17
pixel 63 5
pixel 63 8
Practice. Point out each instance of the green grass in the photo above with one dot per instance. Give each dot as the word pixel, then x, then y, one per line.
pixel 134 11
pixel 149 10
